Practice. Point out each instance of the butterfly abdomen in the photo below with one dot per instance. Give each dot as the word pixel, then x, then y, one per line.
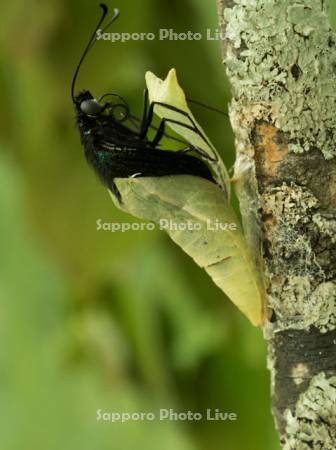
pixel 124 162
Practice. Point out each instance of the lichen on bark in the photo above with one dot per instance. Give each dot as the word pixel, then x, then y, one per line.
pixel 280 58
pixel 313 423
pixel 297 89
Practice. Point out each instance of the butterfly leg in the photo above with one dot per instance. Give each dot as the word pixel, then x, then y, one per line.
pixel 161 132
pixel 148 114
pixel 144 115
pixel 193 127
pixel 146 123
pixel 201 152
pixel 147 118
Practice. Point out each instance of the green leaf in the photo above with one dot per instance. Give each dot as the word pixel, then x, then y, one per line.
pixel 202 222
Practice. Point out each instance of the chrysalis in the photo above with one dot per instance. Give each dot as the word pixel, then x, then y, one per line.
pixel 198 213
pixel 193 212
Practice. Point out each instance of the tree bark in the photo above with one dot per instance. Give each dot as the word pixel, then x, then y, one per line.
pixel 280 57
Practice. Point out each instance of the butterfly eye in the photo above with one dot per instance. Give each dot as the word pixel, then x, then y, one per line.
pixel 91 107
pixel 120 111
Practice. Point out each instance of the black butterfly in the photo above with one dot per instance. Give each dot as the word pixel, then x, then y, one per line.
pixel 116 144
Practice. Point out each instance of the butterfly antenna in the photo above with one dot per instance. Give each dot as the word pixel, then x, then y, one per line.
pixel 210 108
pixel 91 42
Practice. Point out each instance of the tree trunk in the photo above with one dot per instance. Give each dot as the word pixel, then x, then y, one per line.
pixel 280 57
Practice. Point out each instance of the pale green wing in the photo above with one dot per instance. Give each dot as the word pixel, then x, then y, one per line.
pixel 194 208
pixel 169 91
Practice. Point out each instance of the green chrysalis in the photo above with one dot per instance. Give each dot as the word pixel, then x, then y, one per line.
pixel 204 226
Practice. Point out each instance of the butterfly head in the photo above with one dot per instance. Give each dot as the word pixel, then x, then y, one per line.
pixel 86 104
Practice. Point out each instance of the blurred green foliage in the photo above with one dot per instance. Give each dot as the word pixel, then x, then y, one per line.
pixel 96 320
